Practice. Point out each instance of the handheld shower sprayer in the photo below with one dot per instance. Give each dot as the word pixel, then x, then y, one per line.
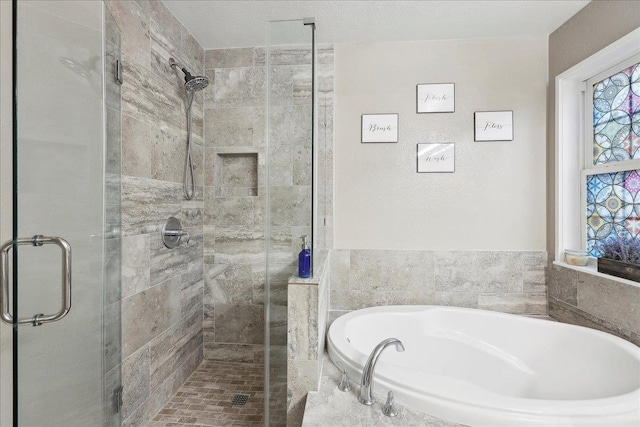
pixel 192 84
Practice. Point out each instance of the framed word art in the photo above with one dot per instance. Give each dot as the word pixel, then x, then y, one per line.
pixel 435 98
pixel 493 125
pixel 436 157
pixel 380 128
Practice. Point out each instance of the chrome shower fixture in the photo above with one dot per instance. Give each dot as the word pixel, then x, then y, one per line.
pixel 191 83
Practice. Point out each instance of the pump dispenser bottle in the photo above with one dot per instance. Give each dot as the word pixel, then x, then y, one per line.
pixel 304 259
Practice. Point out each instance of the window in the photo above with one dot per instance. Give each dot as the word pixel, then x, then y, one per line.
pixel 597 123
pixel 612 162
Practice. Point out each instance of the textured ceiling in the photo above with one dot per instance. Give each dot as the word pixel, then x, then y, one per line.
pixel 221 24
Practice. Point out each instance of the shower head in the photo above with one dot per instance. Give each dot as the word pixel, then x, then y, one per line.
pixel 196 83
pixel 191 83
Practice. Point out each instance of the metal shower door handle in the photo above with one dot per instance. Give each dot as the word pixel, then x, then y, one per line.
pixel 38 240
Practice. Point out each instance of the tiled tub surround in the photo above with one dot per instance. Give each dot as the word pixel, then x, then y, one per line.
pixel 234 194
pixel 307 319
pixel 587 299
pixel 507 281
pixel 161 288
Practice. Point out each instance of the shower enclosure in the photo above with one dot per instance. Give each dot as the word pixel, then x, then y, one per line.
pixel 60 335
pixel 291 189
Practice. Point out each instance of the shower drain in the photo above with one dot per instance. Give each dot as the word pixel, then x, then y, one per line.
pixel 239 399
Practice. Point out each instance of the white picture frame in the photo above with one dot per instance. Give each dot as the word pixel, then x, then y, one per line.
pixel 435 98
pixel 436 157
pixel 493 126
pixel 379 128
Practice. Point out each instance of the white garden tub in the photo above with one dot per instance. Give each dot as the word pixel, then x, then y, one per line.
pixel 483 368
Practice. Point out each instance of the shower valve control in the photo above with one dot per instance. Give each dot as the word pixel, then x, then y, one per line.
pixel 173 234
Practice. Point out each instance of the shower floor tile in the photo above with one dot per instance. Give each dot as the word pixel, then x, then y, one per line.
pixel 213 397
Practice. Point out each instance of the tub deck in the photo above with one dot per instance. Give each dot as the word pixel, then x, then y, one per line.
pixel 331 407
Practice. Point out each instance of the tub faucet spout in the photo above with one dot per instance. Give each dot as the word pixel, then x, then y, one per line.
pixel 366 384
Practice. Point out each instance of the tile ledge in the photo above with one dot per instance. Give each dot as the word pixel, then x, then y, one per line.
pixel 593 270
pixel 320 260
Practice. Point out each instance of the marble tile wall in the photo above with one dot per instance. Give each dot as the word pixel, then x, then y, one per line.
pixel 307 316
pixel 234 204
pixel 162 289
pixel 511 282
pixel 235 181
pixel 594 301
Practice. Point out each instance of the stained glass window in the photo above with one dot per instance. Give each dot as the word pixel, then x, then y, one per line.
pixel 616 117
pixel 613 207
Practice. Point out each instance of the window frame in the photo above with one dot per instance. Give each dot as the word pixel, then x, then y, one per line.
pixel 572 118
pixel 589 168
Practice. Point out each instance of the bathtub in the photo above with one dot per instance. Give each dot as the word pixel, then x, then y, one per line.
pixel 484 368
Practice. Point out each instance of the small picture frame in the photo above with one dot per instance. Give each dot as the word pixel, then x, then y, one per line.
pixel 435 98
pixel 380 128
pixel 493 126
pixel 438 157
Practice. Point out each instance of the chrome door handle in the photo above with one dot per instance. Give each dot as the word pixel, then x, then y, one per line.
pixel 38 240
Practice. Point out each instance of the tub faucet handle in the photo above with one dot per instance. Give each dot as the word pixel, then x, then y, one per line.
pixel 344 381
pixel 389 408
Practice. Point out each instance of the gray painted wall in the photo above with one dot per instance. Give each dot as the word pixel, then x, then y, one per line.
pixel 495 198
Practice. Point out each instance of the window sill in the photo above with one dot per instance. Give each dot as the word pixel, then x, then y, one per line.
pixel 592 269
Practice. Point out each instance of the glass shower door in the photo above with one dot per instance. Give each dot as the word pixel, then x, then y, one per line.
pixel 290 190
pixel 64 260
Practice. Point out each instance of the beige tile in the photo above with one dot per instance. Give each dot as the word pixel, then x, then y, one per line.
pixel 391 270
pixel 171 349
pixel 135 264
pixel 133 22
pixel 290 206
pixel 529 304
pixel 229 58
pixel 562 284
pixel 566 313
pixel 238 87
pixel 281 165
pixel 136 148
pixel 229 126
pixel 302 318
pixel 239 244
pixel 478 271
pixel 534 272
pixel 147 314
pixel 230 352
pixel 242 324
pixel 135 381
pixel 159 13
pixel 234 285
pixel 193 52
pixel 168 153
pixel 227 211
pixel 610 300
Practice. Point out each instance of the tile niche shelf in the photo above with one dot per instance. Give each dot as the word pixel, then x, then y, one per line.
pixel 236 174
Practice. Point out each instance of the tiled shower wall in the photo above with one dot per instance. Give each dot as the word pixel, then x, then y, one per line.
pixel 509 281
pixel 161 288
pixel 234 196
pixel 234 201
